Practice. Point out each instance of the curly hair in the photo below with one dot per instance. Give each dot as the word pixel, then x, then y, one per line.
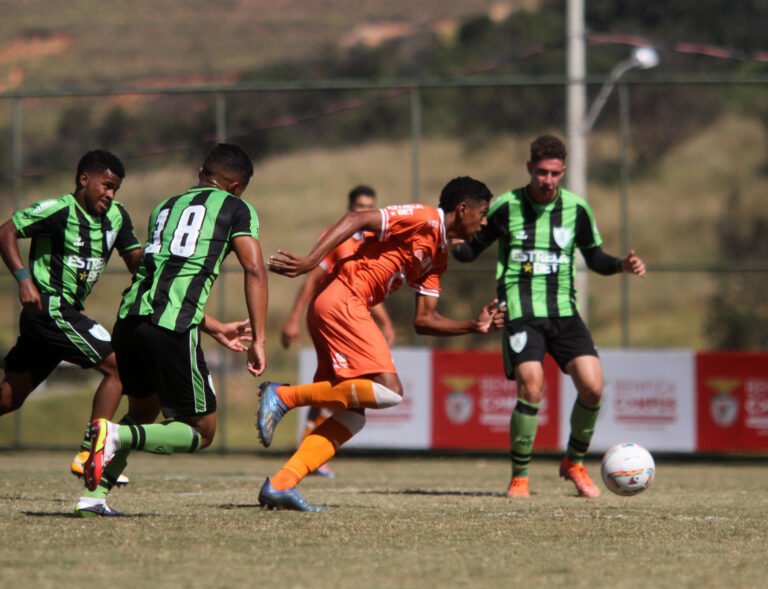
pixel 548 147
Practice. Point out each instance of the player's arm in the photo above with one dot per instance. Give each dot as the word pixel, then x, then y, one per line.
pixel 290 331
pixel 381 317
pixel 232 335
pixel 468 251
pixel 290 265
pixel 248 251
pixel 9 249
pixel 602 263
pixel 132 259
pixel 428 321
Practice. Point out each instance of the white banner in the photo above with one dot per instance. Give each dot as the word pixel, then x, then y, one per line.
pixel 649 398
pixel 406 426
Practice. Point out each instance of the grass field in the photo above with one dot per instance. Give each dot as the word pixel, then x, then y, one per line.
pixel 407 522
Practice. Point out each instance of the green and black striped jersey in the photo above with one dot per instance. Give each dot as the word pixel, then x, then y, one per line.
pixel 70 247
pixel 189 237
pixel 535 268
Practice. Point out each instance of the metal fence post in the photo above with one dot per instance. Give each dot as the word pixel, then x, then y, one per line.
pixel 220 106
pixel 416 143
pixel 624 207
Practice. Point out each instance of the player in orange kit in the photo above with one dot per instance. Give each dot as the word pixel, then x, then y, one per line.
pixel 355 367
pixel 360 198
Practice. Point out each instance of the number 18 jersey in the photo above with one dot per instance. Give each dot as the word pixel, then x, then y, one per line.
pixel 188 238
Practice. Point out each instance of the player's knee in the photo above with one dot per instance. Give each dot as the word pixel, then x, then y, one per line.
pixel 592 395
pixel 386 397
pixel 353 421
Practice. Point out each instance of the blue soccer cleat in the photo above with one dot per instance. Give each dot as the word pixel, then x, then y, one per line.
pixel 270 498
pixel 271 411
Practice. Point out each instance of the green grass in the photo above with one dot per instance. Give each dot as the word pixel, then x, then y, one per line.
pixel 389 523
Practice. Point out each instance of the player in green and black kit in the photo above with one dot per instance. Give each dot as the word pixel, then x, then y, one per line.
pixel 73 237
pixel 538 228
pixel 156 337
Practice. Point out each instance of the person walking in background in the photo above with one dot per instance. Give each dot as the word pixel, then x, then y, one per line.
pixel 360 198
pixel 355 370
pixel 157 334
pixel 539 227
pixel 73 237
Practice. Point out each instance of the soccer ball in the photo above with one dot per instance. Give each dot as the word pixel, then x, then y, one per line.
pixel 627 469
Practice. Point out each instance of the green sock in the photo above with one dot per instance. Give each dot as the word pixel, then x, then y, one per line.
pixel 583 420
pixel 85 445
pixel 169 437
pixel 522 433
pixel 113 470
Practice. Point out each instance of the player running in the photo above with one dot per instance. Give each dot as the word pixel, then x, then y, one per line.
pixel 73 237
pixel 355 368
pixel 360 198
pixel 539 227
pixel 157 334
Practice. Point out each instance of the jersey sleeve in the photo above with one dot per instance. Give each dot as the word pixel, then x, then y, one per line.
pixel 400 221
pixel 587 235
pixel 429 285
pixel 40 219
pixel 245 221
pixel 126 237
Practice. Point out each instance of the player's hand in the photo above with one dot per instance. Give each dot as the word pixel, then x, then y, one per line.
pixel 29 296
pixel 234 335
pixel 257 358
pixel 290 333
pixel 632 263
pixel 491 318
pixel 289 265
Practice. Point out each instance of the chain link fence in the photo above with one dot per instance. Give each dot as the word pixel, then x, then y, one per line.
pixel 676 170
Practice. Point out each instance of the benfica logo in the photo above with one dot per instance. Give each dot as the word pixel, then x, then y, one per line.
pixel 562 236
pixel 724 405
pixel 517 341
pixel 458 407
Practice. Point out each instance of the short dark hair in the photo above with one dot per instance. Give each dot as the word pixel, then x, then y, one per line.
pixel 359 190
pixel 229 158
pixel 99 160
pixel 548 147
pixel 463 189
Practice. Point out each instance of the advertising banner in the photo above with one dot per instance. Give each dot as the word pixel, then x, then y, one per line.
pixel 648 398
pixel 473 402
pixel 733 401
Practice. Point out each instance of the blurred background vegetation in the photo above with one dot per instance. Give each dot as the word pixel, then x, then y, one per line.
pixel 323 103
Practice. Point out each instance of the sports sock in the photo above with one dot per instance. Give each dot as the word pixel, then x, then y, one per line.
pixel 353 393
pixel 522 433
pixel 583 420
pixel 168 437
pixel 85 445
pixel 318 448
pixel 114 469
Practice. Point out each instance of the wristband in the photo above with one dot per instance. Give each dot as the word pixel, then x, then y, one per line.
pixel 619 266
pixel 21 274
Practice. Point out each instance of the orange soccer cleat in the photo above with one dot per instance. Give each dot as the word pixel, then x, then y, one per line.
pixel 518 488
pixel 576 472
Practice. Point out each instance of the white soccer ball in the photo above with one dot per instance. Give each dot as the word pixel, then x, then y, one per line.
pixel 627 469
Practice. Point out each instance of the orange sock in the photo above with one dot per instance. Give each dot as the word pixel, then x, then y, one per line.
pixel 318 448
pixel 356 393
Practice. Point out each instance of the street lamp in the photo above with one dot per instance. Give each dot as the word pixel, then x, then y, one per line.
pixel 644 58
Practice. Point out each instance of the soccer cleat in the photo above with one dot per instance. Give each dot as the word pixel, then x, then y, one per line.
pixel 271 498
pixel 324 471
pixel 104 443
pixel 91 507
pixel 271 411
pixel 518 488
pixel 576 472
pixel 78 464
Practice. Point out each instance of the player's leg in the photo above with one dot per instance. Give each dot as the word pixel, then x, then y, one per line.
pixel 575 352
pixel 348 344
pixel 523 349
pixel 315 417
pixel 14 390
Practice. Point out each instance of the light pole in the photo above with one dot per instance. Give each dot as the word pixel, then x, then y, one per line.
pixel 579 127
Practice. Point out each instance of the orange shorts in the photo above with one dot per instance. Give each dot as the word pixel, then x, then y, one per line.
pixel 347 340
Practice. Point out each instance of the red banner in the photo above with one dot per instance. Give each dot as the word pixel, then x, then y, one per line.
pixel 473 401
pixel 732 395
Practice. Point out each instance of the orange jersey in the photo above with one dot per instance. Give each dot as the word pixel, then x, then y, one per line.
pixel 410 249
pixel 345 249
